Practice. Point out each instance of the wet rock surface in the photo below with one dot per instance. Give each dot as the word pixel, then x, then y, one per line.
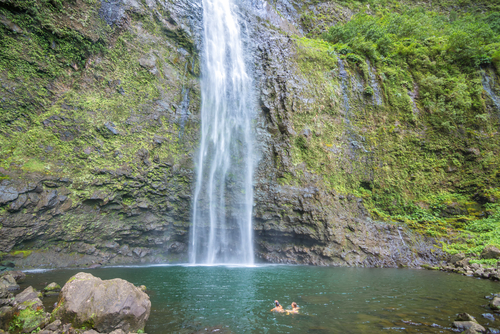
pixel 86 303
pixel 490 252
pixel 51 289
pixel 103 305
pixel 8 283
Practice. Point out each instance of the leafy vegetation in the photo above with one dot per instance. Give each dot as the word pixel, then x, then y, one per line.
pixel 428 155
pixel 468 41
pixel 28 318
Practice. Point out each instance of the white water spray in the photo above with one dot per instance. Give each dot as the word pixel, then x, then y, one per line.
pixel 221 232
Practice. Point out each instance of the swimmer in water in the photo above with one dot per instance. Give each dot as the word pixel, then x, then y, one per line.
pixel 278 308
pixel 294 310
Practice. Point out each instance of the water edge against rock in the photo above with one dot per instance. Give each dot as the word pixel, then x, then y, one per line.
pixel 233 299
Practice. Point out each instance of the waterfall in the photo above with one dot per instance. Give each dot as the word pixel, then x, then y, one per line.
pixel 221 231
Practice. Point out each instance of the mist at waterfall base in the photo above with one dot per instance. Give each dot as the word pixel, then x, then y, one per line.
pixel 225 299
pixel 221 230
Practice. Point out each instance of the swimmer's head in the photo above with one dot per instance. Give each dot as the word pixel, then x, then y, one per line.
pixel 294 304
pixel 276 303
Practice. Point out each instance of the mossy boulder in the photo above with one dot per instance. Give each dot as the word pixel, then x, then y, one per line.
pixel 87 301
pixel 51 289
pixel 28 312
pixel 470 326
pixel 495 304
pixel 8 283
pixel 18 275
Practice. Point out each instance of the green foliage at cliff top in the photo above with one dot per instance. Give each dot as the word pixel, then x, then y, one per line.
pixel 469 40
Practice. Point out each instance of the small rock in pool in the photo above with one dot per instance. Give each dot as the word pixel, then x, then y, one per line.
pixel 493 330
pixel 469 325
pixel 465 317
pixel 495 304
pixel 489 316
pixel 52 287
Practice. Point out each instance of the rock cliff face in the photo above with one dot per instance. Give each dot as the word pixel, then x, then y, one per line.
pixel 100 124
pixel 301 217
pixel 96 149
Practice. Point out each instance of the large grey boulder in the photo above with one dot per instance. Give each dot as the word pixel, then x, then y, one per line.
pixel 53 326
pixel 490 252
pixel 18 275
pixel 456 258
pixel 29 294
pixel 8 283
pixel 469 325
pixel 495 304
pixel 7 194
pixel 465 317
pixel 88 301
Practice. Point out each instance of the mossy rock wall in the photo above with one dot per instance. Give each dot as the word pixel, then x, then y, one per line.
pixel 99 122
pixel 412 135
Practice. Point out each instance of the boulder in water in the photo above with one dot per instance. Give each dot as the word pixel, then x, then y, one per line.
pixel 469 325
pixel 17 274
pixel 465 317
pixel 28 294
pixel 490 252
pixel 495 304
pixel 88 301
pixel 8 283
pixel 52 289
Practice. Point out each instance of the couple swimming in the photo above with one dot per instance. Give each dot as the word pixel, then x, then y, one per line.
pixel 278 308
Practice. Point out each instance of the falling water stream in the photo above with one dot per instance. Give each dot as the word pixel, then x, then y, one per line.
pixel 489 87
pixel 221 232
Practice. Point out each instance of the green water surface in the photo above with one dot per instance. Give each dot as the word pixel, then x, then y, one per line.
pixel 332 300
